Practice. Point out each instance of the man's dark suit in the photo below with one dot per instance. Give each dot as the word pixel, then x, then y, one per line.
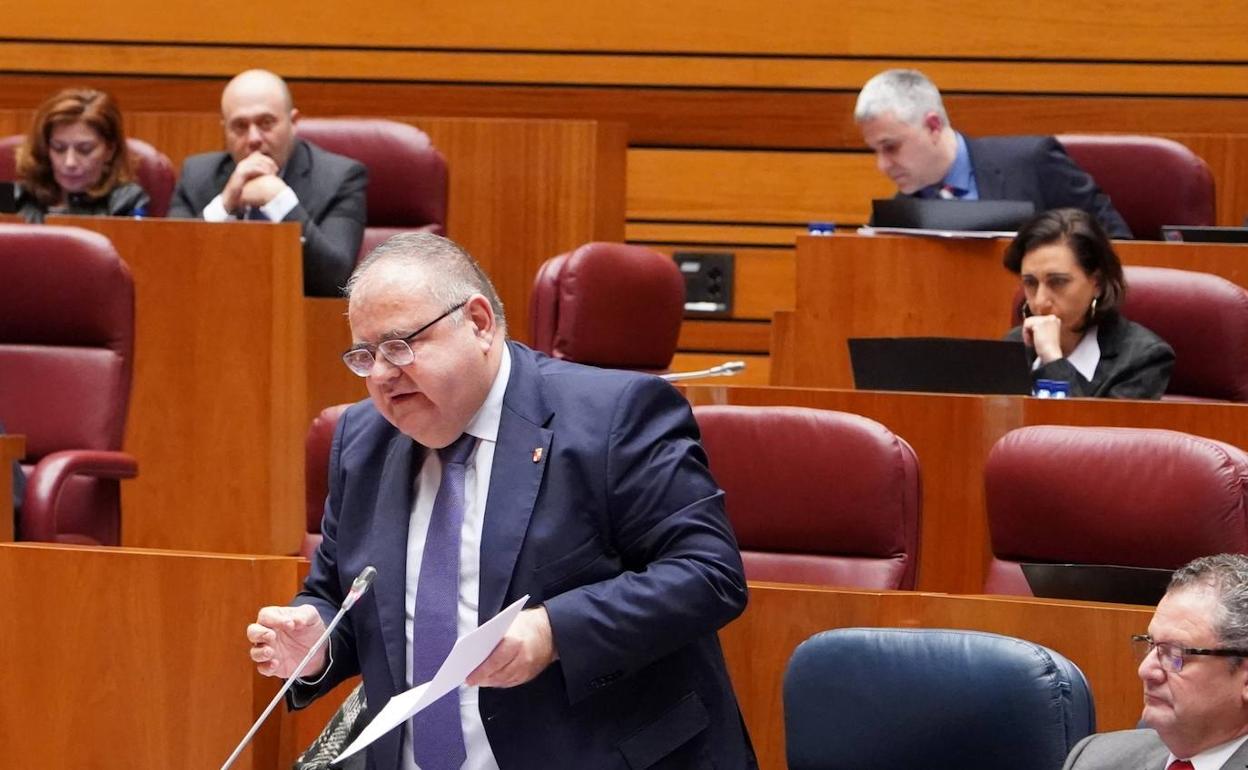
pixel 1037 169
pixel 616 527
pixel 330 212
pixel 1135 363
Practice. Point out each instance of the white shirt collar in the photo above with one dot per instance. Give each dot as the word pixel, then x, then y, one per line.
pixel 484 424
pixel 1087 354
pixel 1214 758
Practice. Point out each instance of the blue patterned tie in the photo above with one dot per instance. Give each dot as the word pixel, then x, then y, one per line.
pixel 437 734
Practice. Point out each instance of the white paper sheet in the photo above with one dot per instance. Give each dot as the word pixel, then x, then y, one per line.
pixel 968 234
pixel 469 651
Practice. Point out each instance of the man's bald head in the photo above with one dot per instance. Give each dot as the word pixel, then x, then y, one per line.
pixel 259 115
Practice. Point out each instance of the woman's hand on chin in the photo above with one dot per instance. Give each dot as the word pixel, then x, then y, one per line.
pixel 1044 333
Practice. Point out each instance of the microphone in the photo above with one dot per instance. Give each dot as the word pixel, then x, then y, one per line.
pixel 726 369
pixel 359 587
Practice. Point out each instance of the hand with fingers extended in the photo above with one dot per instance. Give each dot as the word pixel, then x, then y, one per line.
pixel 282 636
pixel 525 651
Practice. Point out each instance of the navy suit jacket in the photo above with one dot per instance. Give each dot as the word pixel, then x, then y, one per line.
pixel 331 209
pixel 618 530
pixel 1037 169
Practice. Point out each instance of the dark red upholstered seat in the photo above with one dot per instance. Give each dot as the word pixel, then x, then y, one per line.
pixel 316 453
pixel 407 176
pixel 1128 496
pixel 816 496
pixel 1204 317
pixel 1151 181
pixel 66 356
pixel 608 304
pixel 152 169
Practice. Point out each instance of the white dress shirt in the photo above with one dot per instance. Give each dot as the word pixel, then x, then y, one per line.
pixel 1085 356
pixel 484 425
pixel 1214 758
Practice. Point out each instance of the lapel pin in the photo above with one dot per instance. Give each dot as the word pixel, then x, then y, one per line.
pixel 537 455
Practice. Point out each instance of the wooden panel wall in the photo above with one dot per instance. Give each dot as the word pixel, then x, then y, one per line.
pixel 738 115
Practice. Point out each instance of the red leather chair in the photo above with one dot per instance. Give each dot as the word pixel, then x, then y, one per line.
pixel 152 169
pixel 1152 181
pixel 1204 317
pixel 316 453
pixel 608 304
pixel 816 496
pixel 66 354
pixel 1135 497
pixel 407 176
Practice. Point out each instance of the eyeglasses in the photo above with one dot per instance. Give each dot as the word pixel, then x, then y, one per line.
pixel 1172 655
pixel 397 351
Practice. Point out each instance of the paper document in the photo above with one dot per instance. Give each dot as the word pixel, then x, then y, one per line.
pixel 469 651
pixel 971 234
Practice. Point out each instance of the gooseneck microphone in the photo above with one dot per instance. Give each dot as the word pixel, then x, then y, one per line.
pixel 358 587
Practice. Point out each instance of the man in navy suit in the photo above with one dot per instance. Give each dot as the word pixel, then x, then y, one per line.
pixel 587 490
pixel 268 173
pixel 903 121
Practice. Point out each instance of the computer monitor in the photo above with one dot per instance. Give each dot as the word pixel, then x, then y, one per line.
pixel 938 214
pixel 1195 234
pixel 940 365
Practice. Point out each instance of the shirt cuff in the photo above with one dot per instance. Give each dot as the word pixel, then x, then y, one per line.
pixel 215 211
pixel 281 205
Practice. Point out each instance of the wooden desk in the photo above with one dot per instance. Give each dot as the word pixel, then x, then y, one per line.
pixel 217 413
pixel 952 436
pixel 120 657
pixel 12 448
pixel 852 286
pixel 778 618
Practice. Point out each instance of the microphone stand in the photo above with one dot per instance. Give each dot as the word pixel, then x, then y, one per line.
pixel 358 587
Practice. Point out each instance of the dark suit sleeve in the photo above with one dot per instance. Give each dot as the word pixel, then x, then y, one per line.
pixel 323 591
pixel 1072 760
pixel 1145 374
pixel 181 205
pixel 682 579
pixel 332 241
pixel 1065 185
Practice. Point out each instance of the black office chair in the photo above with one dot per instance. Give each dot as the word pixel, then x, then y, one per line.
pixel 888 698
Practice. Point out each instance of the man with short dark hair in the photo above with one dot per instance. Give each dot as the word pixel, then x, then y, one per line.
pixel 268 173
pixel 903 121
pixel 586 489
pixel 1195 679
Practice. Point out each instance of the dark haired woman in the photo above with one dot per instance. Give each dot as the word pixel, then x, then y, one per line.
pixel 1073 286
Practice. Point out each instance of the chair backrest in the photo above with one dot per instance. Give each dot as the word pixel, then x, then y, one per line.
pixel 407 176
pixel 66 356
pixel 1204 317
pixel 888 698
pixel 1152 181
pixel 608 304
pixel 152 169
pixel 816 496
pixel 1135 497
pixel 316 473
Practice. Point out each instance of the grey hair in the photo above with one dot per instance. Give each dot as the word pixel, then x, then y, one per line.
pixel 452 274
pixel 1227 575
pixel 908 94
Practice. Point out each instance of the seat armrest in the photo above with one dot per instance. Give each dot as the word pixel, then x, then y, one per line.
pixel 48 479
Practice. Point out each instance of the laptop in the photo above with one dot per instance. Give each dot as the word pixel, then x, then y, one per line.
pixel 937 214
pixel 940 365
pixel 1195 234
pixel 1098 582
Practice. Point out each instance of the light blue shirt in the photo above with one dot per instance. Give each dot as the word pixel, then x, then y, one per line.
pixel 961 176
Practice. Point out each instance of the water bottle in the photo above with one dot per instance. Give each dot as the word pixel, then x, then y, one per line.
pixel 1051 389
pixel 821 228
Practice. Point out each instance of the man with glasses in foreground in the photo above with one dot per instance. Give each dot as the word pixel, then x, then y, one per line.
pixel 480 471
pixel 1195 678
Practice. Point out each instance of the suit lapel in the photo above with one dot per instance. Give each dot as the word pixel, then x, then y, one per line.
pixel 515 479
pixel 989 177
pixel 387 540
pixel 298 172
